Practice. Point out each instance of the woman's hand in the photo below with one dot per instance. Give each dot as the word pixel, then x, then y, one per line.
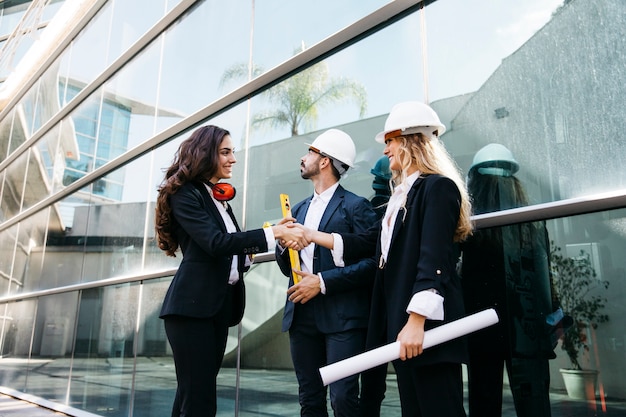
pixel 411 337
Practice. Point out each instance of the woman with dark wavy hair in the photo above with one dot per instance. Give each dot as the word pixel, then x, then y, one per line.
pixel 207 294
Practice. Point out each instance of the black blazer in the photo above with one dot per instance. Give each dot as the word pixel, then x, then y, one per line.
pixel 200 283
pixel 347 300
pixel 422 255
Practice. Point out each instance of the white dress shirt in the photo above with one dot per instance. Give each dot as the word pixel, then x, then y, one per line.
pixel 314 214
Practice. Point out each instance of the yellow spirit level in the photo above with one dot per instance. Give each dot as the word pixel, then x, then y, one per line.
pixel 294 256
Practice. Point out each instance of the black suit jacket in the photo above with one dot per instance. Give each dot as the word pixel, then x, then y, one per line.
pixel 201 281
pixel 422 255
pixel 346 302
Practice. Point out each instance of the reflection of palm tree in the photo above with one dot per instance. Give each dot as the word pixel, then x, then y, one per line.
pixel 298 98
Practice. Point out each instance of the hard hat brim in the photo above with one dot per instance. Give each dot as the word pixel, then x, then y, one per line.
pixel 380 137
pixel 310 145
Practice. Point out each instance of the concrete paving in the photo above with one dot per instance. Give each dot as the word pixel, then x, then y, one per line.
pixel 13 407
pixel 261 393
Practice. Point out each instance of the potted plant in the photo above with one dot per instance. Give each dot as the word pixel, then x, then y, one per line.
pixel 575 280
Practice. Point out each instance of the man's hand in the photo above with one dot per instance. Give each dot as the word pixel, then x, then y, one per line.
pixel 306 289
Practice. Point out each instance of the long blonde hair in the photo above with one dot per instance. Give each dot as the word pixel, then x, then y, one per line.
pixel 431 157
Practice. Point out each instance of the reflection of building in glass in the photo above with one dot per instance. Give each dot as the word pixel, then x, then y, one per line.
pixel 102 134
pixel 529 104
pixel 21 22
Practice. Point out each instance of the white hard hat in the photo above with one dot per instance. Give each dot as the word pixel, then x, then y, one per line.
pixel 338 146
pixel 412 117
pixel 495 159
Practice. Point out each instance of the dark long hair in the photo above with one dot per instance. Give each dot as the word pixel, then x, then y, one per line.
pixel 495 192
pixel 195 161
pixel 491 193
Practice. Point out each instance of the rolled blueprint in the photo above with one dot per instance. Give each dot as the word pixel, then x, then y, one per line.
pixel 387 353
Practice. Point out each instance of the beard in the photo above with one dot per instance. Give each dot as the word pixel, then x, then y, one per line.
pixel 307 173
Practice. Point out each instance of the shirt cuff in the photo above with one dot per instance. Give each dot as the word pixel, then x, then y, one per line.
pixel 322 284
pixel 270 238
pixel 428 304
pixel 337 250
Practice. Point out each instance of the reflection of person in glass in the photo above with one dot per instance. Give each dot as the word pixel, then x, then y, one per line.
pixel 381 185
pixel 207 294
pixel 507 268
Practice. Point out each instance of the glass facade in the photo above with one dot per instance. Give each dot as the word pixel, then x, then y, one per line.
pixel 84 142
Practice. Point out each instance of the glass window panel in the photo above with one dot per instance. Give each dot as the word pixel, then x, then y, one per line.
pixel 34 233
pixel 130 105
pixel 64 252
pixel 14 185
pixel 97 141
pixel 8 239
pixel 10 15
pixel 6 132
pixel 25 119
pixel 130 20
pixel 30 114
pixel 200 84
pixel 53 340
pixel 28 254
pixel 47 100
pixel 17 332
pixel 274 43
pixel 155 378
pixel 84 122
pixel 113 235
pixel 122 23
pixel 46 164
pixel 103 363
pixel 79 64
pixel 107 234
pixel 51 8
pixel 540 79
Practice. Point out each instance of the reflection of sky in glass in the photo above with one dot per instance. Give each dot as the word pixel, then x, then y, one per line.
pixel 465 46
pixel 468 40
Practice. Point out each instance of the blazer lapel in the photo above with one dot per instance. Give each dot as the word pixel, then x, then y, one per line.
pixel 300 215
pixel 209 206
pixel 211 209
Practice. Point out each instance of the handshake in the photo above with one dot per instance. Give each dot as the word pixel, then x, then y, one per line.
pixel 293 235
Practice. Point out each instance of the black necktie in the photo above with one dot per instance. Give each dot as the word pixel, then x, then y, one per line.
pixel 229 210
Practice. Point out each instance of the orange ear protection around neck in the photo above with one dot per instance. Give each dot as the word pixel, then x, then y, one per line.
pixel 222 191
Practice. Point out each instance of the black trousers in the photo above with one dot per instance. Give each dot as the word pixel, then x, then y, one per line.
pixel 198 348
pixel 529 379
pixel 373 387
pixel 430 391
pixel 312 349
